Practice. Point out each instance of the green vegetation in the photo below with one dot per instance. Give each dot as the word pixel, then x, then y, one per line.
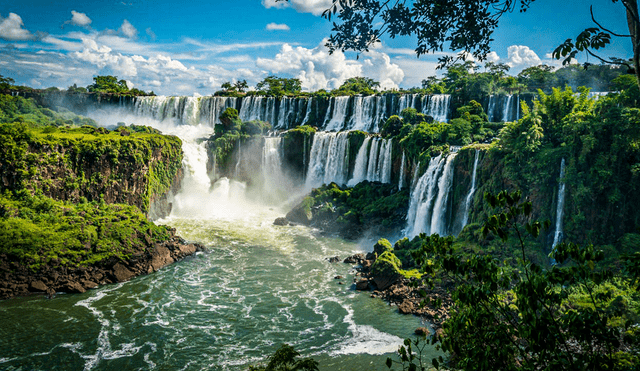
pixel 358 85
pixel 36 231
pixel 70 163
pixel 352 211
pixel 508 316
pixel 18 109
pixel 279 86
pixel 285 359
pixel 111 85
pixel 231 133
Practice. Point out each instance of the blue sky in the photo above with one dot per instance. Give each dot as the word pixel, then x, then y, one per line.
pixel 192 47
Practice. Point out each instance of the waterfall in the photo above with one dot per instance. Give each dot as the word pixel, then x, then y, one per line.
pixel 491 108
pixel 360 167
pixel 439 216
pixel 429 198
pixel 384 163
pixel 518 108
pixel 372 168
pixel 401 175
pixel 438 107
pixel 557 237
pixel 339 113
pixel 421 199
pixel 472 190
pixel 271 162
pixel 506 111
pixel 328 161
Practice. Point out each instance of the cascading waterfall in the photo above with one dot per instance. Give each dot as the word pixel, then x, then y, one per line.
pixel 328 161
pixel 401 176
pixel 342 113
pixel 472 190
pixel 557 237
pixel 428 201
pixel 338 114
pixel 360 167
pixel 491 108
pixel 438 107
pixel 271 163
pixel 421 199
pixel 439 216
pixel 506 111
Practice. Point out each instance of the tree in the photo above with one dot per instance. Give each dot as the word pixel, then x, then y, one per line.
pixel 358 85
pixel 278 86
pixel 464 26
pixel 523 317
pixel 241 85
pixel 538 77
pixel 108 84
pixel 6 82
pixel 596 38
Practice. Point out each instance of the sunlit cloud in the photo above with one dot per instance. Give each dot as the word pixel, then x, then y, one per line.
pixel 11 29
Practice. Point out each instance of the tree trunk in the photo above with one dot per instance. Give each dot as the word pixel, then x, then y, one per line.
pixel 633 21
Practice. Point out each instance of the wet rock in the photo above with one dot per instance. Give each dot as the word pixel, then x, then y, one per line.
pixel 38 286
pixel 354 259
pixel 366 265
pixel 160 257
pixel 337 277
pixel 363 285
pixel 407 307
pixel 73 287
pixel 334 259
pixel 122 273
pixel 422 331
pixel 281 222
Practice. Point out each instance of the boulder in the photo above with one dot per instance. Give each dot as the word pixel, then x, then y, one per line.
pixel 422 331
pixel 363 285
pixel 73 287
pixel 160 257
pixel 281 222
pixel 334 259
pixel 122 273
pixel 301 213
pixel 386 270
pixel 38 286
pixel 354 259
pixel 406 307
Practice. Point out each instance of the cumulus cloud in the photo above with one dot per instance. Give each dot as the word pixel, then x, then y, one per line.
pixel 128 30
pixel 522 56
pixel 315 7
pixel 277 27
pixel 11 29
pixel 317 69
pixel 79 19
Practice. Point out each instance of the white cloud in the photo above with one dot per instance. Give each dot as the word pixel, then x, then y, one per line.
pixel 315 7
pixel 317 69
pixel 11 29
pixel 128 30
pixel 520 57
pixel 492 57
pixel 277 27
pixel 79 19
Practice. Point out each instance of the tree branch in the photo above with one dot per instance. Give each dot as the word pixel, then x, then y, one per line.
pixel 593 18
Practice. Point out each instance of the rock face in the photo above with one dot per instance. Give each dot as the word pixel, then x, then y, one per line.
pixel 17 280
pixel 95 164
